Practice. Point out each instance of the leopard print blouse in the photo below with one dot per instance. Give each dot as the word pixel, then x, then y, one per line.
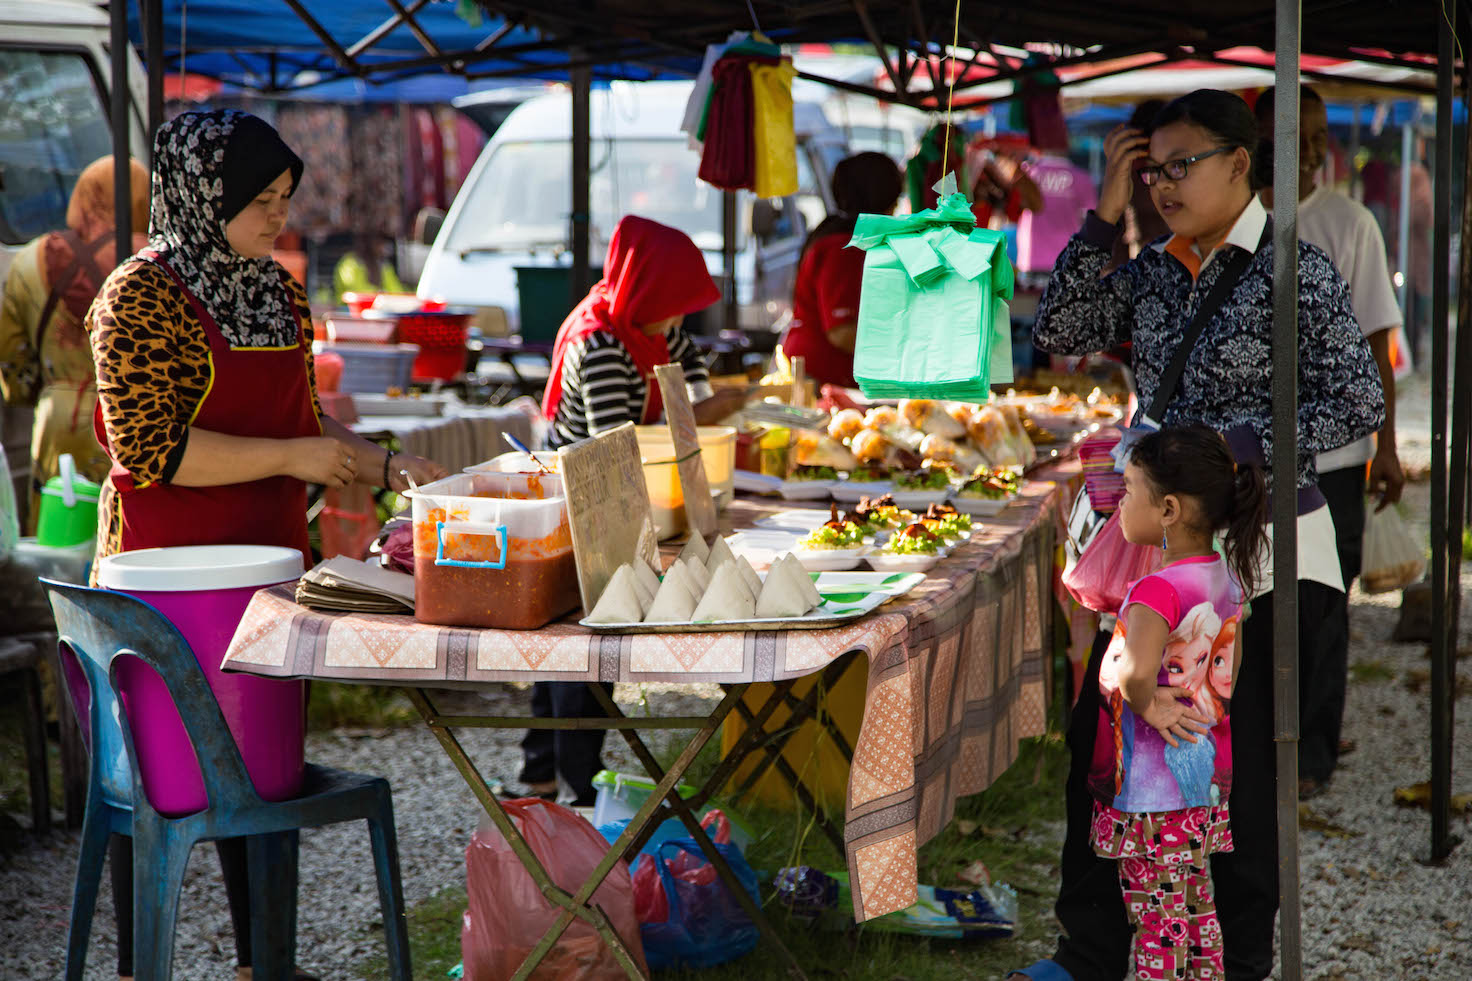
pixel 153 370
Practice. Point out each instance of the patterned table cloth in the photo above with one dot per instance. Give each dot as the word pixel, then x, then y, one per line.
pixel 958 673
pixel 464 436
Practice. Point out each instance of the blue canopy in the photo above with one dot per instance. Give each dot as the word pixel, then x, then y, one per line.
pixel 266 45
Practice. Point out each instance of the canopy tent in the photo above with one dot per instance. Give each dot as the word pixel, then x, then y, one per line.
pixel 642 39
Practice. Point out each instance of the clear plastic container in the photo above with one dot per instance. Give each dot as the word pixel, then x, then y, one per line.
pixel 662 474
pixel 493 550
pixel 517 462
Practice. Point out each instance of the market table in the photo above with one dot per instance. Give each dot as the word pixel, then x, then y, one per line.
pixel 958 676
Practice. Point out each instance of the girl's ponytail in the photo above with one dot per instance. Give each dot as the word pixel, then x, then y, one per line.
pixel 1245 539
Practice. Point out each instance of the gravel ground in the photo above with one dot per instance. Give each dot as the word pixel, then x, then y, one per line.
pixel 1370 908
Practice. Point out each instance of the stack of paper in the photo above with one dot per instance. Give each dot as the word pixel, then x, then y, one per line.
pixel 342 584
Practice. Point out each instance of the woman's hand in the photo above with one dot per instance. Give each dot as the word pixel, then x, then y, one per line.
pixel 423 471
pixel 722 403
pixel 321 460
pixel 1173 720
pixel 1122 148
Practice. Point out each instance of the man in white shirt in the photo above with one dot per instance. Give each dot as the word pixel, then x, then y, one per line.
pixel 1347 231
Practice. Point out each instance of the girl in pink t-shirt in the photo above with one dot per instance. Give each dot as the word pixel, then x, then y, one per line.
pixel 1162 761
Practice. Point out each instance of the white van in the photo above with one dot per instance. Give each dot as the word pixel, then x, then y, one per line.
pixel 514 207
pixel 54 121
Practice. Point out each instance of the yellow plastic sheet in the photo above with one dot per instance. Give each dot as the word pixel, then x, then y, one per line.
pixel 773 131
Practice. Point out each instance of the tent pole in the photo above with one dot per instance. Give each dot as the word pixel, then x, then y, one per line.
pixel 730 319
pixel 1456 506
pixel 153 54
pixel 1284 468
pixel 582 142
pixel 1441 628
pixel 122 183
pixel 1403 238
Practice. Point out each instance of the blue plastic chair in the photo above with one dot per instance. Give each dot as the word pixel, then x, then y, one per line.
pixel 95 627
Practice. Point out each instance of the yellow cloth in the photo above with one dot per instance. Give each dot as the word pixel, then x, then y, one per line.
pixel 773 130
pixel 58 380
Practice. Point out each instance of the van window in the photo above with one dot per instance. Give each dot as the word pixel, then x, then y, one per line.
pixel 524 195
pixel 52 125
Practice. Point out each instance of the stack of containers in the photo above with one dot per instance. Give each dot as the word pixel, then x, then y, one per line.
pixel 493 550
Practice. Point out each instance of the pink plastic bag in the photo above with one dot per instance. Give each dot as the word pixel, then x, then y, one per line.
pixel 1107 566
pixel 508 914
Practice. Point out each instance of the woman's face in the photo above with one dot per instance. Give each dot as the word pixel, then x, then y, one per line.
pixel 1186 662
pixel 1214 188
pixel 661 326
pixel 252 233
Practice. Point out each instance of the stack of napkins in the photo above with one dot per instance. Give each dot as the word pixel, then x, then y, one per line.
pixel 705 584
pixel 341 584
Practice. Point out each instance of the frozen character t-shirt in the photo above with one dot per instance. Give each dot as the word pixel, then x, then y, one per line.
pixel 1134 769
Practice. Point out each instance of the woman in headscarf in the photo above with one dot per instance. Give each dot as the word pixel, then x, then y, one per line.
pixel 825 296
pixel 602 377
pixel 207 401
pixel 45 360
pixel 630 323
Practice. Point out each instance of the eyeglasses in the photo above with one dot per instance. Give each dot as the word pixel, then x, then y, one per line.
pixel 1176 169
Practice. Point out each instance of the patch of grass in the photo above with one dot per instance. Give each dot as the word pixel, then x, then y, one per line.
pixel 997 827
pixel 358 706
pixel 1369 671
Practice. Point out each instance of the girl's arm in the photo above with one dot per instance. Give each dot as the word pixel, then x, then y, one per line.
pixel 1159 705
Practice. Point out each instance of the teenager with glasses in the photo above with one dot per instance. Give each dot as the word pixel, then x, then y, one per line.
pixel 1214 271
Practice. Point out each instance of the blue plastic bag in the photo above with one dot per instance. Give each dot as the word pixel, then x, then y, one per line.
pixel 702 923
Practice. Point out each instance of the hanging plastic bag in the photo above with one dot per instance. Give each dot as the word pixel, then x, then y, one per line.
pixel 1393 558
pixel 9 512
pixel 508 914
pixel 933 318
pixel 773 130
pixel 687 914
pixel 1107 564
pixel 729 160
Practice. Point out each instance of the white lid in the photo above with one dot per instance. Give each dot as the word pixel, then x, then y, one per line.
pixel 199 568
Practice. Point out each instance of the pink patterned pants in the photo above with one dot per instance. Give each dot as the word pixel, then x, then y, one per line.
pixel 1177 933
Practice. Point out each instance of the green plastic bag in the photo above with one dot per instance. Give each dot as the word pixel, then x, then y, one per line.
pixel 933 315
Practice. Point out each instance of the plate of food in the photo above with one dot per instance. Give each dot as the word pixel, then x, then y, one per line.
pixel 756 483
pixel 947 523
pixel 855 488
pixel 835 545
pixel 798 521
pixel 808 483
pixel 918 489
pixel 988 491
pixel 913 548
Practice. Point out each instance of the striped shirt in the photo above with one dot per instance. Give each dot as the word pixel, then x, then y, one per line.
pixel 601 386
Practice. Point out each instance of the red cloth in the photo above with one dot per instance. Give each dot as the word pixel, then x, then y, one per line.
pixel 652 272
pixel 269 511
pixel 825 296
pixel 729 158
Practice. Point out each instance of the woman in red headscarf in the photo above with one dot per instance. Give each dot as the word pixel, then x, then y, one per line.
pixel 629 323
pixel 602 377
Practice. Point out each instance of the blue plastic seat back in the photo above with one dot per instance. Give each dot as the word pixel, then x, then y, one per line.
pixel 102 626
pixel 99 715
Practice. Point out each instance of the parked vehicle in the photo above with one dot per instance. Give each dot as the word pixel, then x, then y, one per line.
pixel 514 208
pixel 55 78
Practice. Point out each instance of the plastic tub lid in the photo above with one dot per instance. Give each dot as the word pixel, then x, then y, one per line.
pixel 199 568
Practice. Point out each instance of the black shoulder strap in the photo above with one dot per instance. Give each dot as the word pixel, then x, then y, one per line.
pixel 1236 265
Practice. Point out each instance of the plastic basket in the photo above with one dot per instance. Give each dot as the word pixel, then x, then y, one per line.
pixel 440 336
pixel 374 367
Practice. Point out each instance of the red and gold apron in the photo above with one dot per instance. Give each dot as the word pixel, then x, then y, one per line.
pixel 256 392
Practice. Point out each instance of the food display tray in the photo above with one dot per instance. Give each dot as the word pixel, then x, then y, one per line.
pixel 846 596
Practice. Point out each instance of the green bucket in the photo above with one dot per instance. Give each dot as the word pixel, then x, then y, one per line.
pixel 68 508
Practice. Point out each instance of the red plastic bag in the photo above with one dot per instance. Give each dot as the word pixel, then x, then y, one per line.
pixel 1107 566
pixel 508 914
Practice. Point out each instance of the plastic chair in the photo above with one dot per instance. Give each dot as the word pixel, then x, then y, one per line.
pixel 96 627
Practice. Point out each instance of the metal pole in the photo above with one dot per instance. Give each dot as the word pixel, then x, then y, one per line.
pixel 122 184
pixel 1285 470
pixel 1354 151
pixel 1403 223
pixel 730 232
pixel 153 56
pixel 582 158
pixel 1441 733
pixel 1456 506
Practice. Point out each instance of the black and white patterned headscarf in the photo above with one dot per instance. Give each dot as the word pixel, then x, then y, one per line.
pixel 206 167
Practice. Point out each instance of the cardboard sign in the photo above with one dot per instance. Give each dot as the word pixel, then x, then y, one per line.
pixel 700 510
pixel 607 508
pixel 799 382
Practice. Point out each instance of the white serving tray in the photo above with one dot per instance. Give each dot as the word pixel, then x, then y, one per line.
pixel 852 491
pixel 846 596
pixel 981 507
